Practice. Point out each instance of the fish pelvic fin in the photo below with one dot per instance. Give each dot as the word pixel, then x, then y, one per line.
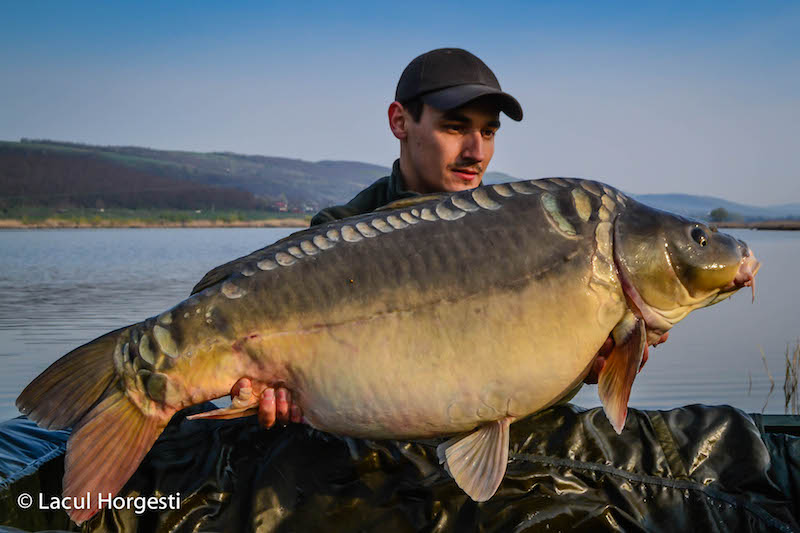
pixel 622 365
pixel 477 461
pixel 245 404
pixel 63 393
pixel 104 450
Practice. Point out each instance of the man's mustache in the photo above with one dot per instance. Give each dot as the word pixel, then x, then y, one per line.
pixel 471 166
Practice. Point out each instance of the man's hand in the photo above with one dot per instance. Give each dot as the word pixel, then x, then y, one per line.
pixel 273 404
pixel 605 351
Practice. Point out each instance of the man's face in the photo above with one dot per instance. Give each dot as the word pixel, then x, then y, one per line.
pixel 450 150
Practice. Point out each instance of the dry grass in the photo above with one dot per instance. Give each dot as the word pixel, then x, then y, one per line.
pixel 790 397
pixel 771 380
pixel 791 400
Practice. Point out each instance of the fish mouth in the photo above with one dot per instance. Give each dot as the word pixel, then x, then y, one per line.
pixel 746 275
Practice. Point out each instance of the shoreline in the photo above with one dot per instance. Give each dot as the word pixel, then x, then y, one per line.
pixel 294 222
pixel 53 223
pixel 774 225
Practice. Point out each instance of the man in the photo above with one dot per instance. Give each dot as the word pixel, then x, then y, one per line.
pixel 445 115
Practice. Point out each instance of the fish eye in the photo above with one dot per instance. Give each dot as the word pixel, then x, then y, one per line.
pixel 699 236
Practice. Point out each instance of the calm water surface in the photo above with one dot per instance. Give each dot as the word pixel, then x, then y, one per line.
pixel 61 288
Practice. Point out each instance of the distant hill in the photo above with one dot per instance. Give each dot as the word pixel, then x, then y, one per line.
pixel 700 206
pixel 43 172
pixel 271 178
pixel 490 178
pixel 35 177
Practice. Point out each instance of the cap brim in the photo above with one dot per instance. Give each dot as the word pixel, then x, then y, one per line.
pixel 453 97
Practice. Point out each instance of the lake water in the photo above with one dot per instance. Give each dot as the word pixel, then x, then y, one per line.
pixel 61 288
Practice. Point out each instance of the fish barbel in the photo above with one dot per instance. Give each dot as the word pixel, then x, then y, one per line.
pixel 446 314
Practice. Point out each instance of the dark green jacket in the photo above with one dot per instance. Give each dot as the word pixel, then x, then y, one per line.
pixel 385 190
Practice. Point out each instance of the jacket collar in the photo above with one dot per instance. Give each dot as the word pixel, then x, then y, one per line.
pixel 397 184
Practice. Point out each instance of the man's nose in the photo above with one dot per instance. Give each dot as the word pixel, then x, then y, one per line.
pixel 474 146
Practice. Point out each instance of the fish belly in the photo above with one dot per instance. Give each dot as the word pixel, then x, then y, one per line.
pixel 445 367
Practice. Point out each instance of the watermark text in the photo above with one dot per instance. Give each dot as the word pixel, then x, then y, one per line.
pixel 139 504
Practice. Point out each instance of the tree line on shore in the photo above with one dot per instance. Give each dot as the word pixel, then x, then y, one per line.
pixel 42 178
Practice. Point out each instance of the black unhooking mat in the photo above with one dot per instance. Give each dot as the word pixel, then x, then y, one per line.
pixel 696 468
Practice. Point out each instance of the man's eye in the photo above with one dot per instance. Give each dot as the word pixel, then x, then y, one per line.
pixel 488 134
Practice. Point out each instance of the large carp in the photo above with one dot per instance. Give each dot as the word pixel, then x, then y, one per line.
pixel 449 314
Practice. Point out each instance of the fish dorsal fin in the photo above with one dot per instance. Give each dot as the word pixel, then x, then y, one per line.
pixel 414 200
pixel 477 461
pixel 218 274
pixel 622 365
pixel 223 272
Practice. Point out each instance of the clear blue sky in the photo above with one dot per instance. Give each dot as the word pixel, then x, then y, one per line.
pixel 700 97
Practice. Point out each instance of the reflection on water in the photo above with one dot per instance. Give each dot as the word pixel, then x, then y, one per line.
pixel 62 288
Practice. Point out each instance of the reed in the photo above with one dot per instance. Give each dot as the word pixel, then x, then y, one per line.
pixel 791 399
pixel 771 380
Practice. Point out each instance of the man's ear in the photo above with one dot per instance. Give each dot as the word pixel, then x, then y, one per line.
pixel 398 120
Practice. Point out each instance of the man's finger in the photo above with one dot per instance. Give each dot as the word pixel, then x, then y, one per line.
pixel 243 383
pixel 645 356
pixel 597 367
pixel 284 399
pixel 607 347
pixel 266 408
pixel 600 361
pixel 296 414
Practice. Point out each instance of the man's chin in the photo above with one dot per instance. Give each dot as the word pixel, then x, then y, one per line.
pixel 461 181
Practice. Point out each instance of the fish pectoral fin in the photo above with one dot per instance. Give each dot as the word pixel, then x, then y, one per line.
pixel 245 404
pixel 477 461
pixel 622 365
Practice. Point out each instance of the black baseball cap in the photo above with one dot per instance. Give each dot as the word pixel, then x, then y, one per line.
pixel 447 78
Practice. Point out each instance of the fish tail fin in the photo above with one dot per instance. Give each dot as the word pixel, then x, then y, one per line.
pixel 110 436
pixel 65 392
pixel 105 449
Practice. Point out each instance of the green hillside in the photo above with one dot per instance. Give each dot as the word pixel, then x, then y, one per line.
pixel 270 178
pixel 34 176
